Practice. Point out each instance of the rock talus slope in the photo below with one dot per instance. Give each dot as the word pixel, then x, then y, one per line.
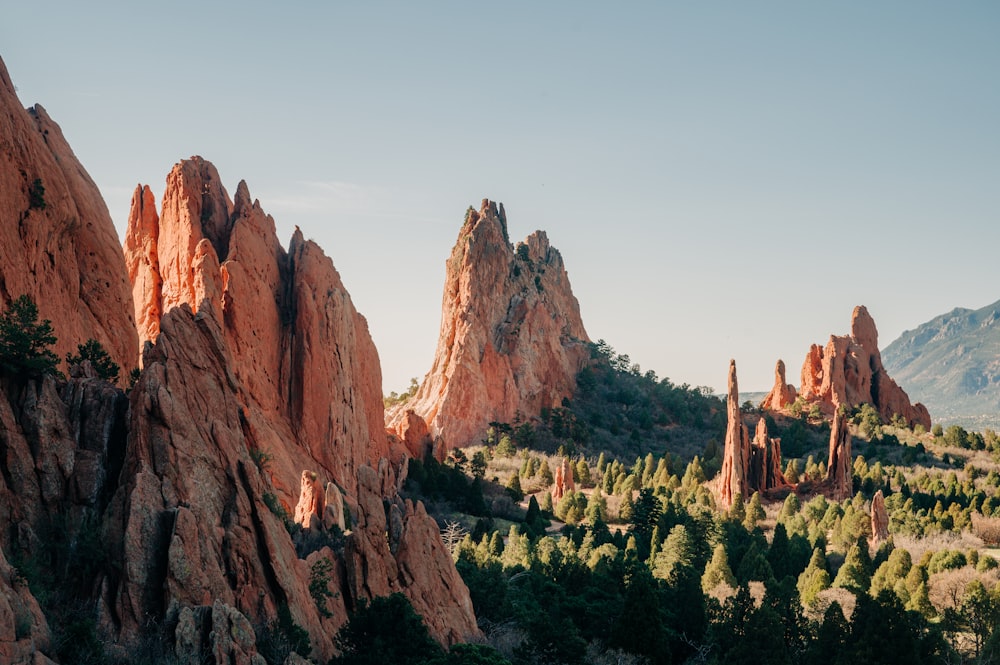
pixel 511 339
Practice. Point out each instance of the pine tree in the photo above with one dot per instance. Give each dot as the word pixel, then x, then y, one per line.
pixel 24 342
pixel 754 512
pixel 814 579
pixel 852 574
pixel 718 571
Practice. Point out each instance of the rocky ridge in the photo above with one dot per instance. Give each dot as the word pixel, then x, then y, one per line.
pixel 511 339
pixel 57 241
pixel 849 372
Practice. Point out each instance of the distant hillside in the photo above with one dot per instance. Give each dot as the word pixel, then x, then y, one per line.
pixel 952 364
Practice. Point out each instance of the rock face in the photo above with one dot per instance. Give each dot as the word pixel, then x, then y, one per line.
pixel 255 367
pixel 839 473
pixel 849 371
pixel 57 241
pixel 783 394
pixel 511 341
pixel 747 466
pixel 880 520
pixel 301 356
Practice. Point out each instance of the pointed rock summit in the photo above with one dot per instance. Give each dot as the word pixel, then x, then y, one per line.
pixel 511 341
pixel 303 359
pixel 783 394
pixel 849 371
pixel 838 469
pixel 57 242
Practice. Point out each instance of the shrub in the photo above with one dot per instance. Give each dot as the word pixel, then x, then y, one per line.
pixel 24 342
pixel 36 195
pixel 103 365
pixel 319 580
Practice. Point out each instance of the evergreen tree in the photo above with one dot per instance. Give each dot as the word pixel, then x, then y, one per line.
pixel 718 572
pixel 102 363
pixel 24 342
pixel 852 574
pixel 754 512
pixel 814 579
pixel 386 630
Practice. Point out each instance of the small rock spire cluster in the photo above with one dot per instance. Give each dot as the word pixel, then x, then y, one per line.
pixel 747 466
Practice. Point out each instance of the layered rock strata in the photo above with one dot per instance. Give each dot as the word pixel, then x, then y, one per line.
pixel 849 372
pixel 511 340
pixel 57 241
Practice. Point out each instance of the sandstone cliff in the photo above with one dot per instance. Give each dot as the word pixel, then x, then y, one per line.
pixel 511 340
pixel 849 371
pixel 301 355
pixel 839 469
pixel 57 241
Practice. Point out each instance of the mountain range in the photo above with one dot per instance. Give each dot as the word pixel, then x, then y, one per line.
pixel 952 364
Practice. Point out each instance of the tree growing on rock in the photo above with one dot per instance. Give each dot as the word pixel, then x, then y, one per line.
pixel 25 342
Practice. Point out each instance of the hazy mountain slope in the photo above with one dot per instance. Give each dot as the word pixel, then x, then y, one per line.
pixel 952 364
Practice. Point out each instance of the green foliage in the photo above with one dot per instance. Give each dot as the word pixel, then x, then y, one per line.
pixel 261 459
pixel 25 342
pixel 394 398
pixel 319 585
pixel 36 195
pixel 505 447
pixel 386 630
pixel 103 365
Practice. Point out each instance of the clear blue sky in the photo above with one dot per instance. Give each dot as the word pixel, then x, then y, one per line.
pixel 723 179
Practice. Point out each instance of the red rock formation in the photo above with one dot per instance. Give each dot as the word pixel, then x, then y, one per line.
pixel 839 472
pixel 849 372
pixel 511 338
pixel 563 479
pixel 747 466
pixel 736 450
pixel 312 502
pixel 783 394
pixel 60 246
pixel 765 460
pixel 192 506
pixel 412 429
pixel 880 520
pixel 306 366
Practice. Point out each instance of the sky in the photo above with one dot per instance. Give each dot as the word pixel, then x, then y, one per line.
pixel 723 179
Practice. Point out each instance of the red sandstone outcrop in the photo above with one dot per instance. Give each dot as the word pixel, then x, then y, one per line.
pixel 59 246
pixel 563 479
pixel 839 472
pixel 849 371
pixel 736 450
pixel 765 460
pixel 783 394
pixel 511 341
pixel 747 466
pixel 192 506
pixel 303 359
pixel 880 520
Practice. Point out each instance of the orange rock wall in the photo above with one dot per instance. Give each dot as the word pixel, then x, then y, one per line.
pixel 511 339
